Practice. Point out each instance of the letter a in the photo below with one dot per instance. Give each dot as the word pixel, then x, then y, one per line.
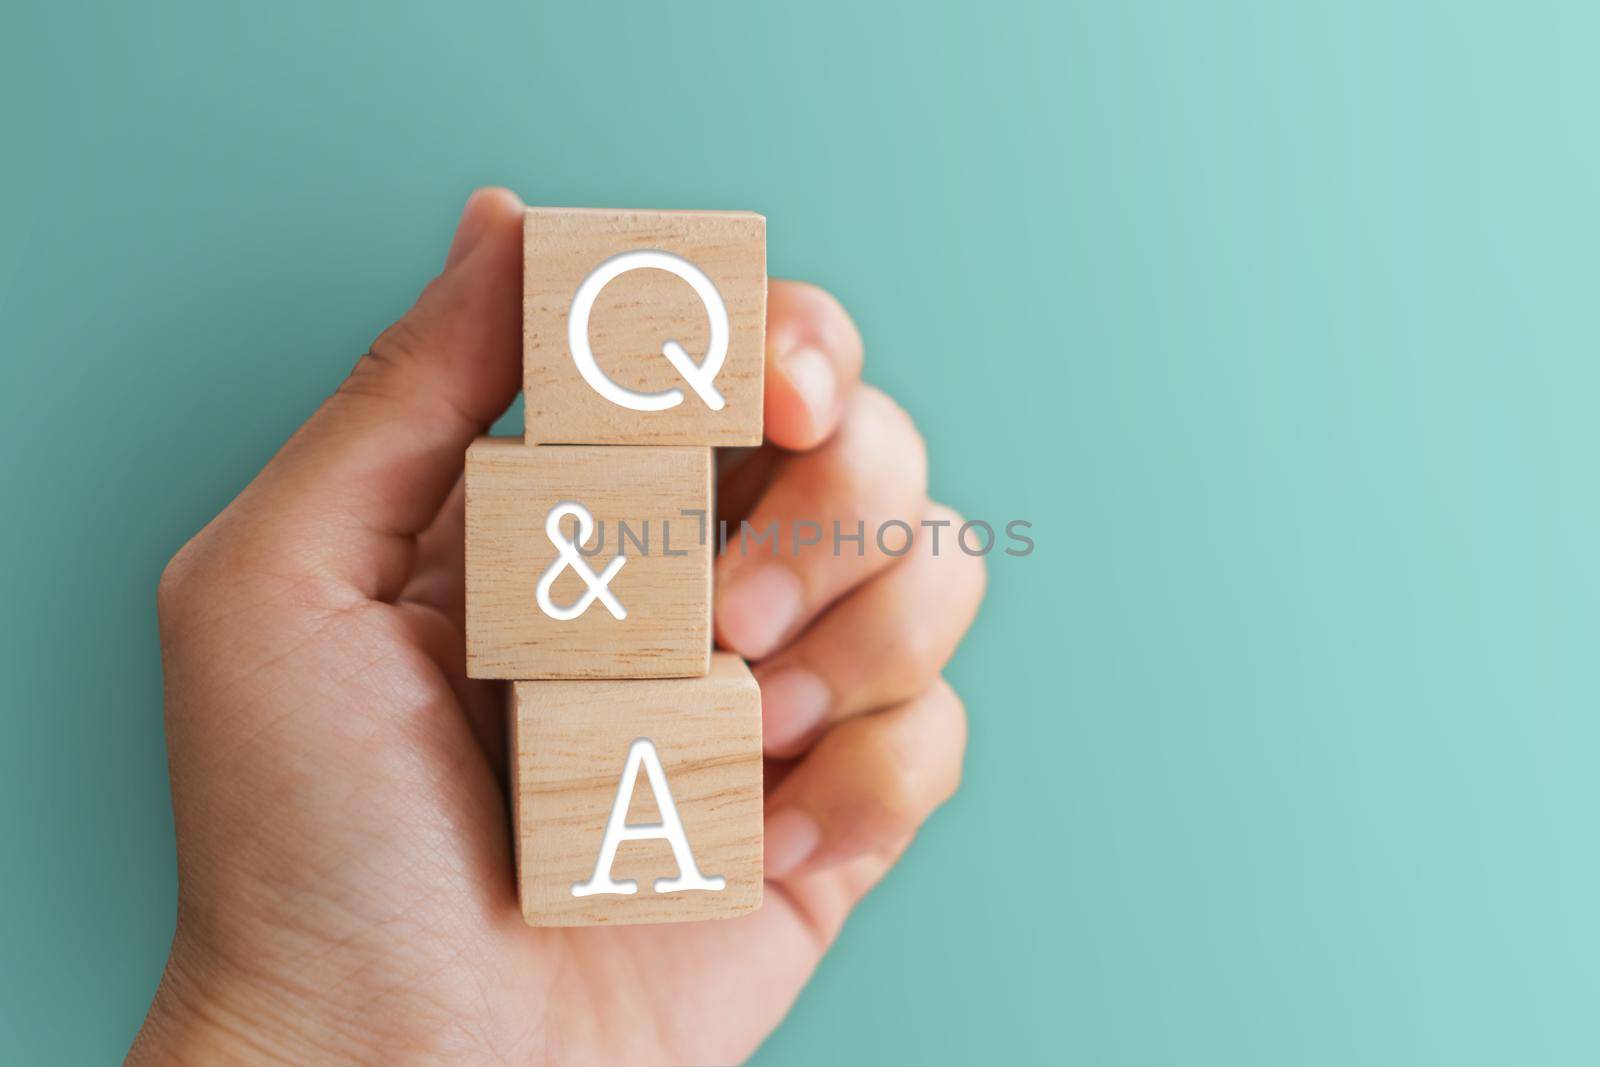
pixel 670 828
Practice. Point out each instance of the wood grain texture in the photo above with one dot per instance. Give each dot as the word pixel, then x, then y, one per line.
pixel 635 314
pixel 569 743
pixel 511 489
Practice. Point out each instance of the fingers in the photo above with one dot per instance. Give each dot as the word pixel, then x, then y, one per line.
pixel 370 469
pixel 867 785
pixel 883 643
pixel 870 474
pixel 813 361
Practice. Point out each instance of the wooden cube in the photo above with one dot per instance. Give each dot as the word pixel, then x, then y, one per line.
pixel 638 801
pixel 639 606
pixel 643 327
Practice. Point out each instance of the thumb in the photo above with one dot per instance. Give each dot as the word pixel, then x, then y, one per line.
pixel 351 489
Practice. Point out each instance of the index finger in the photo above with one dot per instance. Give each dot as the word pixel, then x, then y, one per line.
pixel 813 361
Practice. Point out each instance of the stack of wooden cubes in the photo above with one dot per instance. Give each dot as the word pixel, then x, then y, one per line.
pixel 636 767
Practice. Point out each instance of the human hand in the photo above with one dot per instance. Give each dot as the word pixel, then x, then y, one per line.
pixel 344 849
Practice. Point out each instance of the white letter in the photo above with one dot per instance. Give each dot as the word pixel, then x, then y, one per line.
pixel 698 375
pixel 670 828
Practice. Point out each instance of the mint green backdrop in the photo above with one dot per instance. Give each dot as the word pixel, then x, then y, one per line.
pixel 1278 320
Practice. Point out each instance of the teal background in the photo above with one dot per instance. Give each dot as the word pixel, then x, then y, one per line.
pixel 1279 322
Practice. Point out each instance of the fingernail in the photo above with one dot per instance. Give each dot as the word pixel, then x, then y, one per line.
pixel 811 373
pixel 794 702
pixel 469 231
pixel 757 607
pixel 791 837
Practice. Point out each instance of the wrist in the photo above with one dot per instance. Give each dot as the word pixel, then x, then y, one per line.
pixel 207 1010
pixel 197 1019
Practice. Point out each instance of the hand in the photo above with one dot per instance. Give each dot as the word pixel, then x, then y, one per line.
pixel 344 853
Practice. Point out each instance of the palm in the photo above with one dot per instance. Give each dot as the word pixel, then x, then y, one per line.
pixel 410 810
pixel 430 898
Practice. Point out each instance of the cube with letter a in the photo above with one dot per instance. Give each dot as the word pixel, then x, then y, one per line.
pixel 638 801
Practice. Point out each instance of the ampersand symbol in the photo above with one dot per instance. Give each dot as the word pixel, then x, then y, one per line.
pixel 567 555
